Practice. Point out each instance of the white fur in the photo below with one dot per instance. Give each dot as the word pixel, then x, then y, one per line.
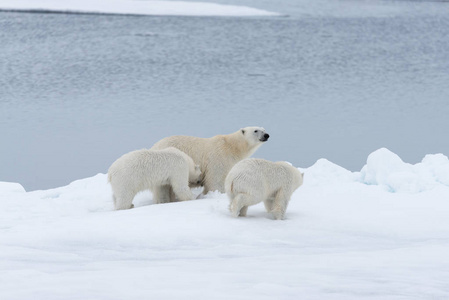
pixel 218 154
pixel 156 170
pixel 254 180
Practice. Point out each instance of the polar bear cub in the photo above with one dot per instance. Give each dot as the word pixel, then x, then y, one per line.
pixel 254 180
pixel 146 169
pixel 218 154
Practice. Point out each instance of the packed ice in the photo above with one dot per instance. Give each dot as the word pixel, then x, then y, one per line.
pixel 381 233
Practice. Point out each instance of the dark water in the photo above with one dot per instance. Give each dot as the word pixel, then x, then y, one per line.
pixel 77 91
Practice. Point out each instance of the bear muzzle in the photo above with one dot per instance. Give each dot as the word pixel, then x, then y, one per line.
pixel 265 137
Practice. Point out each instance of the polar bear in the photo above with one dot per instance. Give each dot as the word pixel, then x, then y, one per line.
pixel 254 180
pixel 218 154
pixel 146 169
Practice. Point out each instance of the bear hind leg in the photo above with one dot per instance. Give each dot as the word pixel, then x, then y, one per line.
pixel 123 201
pixel 239 205
pixel 269 204
pixel 243 211
pixel 280 205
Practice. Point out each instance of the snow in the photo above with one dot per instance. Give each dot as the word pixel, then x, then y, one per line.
pixel 382 233
pixel 387 169
pixel 134 7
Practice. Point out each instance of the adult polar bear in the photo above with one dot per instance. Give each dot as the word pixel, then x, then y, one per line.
pixel 218 154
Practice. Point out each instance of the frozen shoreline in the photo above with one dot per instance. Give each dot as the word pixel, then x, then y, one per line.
pixel 129 7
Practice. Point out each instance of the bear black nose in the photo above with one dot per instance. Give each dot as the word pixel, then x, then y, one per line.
pixel 266 135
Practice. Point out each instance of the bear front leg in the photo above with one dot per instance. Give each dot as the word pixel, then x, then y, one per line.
pixel 172 195
pixel 161 194
pixel 213 186
pixel 183 193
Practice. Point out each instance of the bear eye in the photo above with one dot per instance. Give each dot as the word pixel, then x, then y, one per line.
pixel 255 130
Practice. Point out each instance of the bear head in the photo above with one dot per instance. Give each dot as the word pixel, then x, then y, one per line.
pixel 195 177
pixel 255 135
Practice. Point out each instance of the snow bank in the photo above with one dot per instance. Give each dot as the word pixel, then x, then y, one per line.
pixel 11 187
pixel 324 172
pixel 176 8
pixel 386 169
pixel 343 238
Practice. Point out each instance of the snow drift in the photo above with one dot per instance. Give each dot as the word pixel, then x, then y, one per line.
pixel 381 233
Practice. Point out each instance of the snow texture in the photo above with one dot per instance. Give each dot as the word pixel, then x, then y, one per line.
pixel 132 7
pixel 382 233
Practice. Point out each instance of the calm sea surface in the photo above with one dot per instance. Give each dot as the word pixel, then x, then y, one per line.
pixel 78 91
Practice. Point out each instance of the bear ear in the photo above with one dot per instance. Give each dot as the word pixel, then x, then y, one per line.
pixel 243 131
